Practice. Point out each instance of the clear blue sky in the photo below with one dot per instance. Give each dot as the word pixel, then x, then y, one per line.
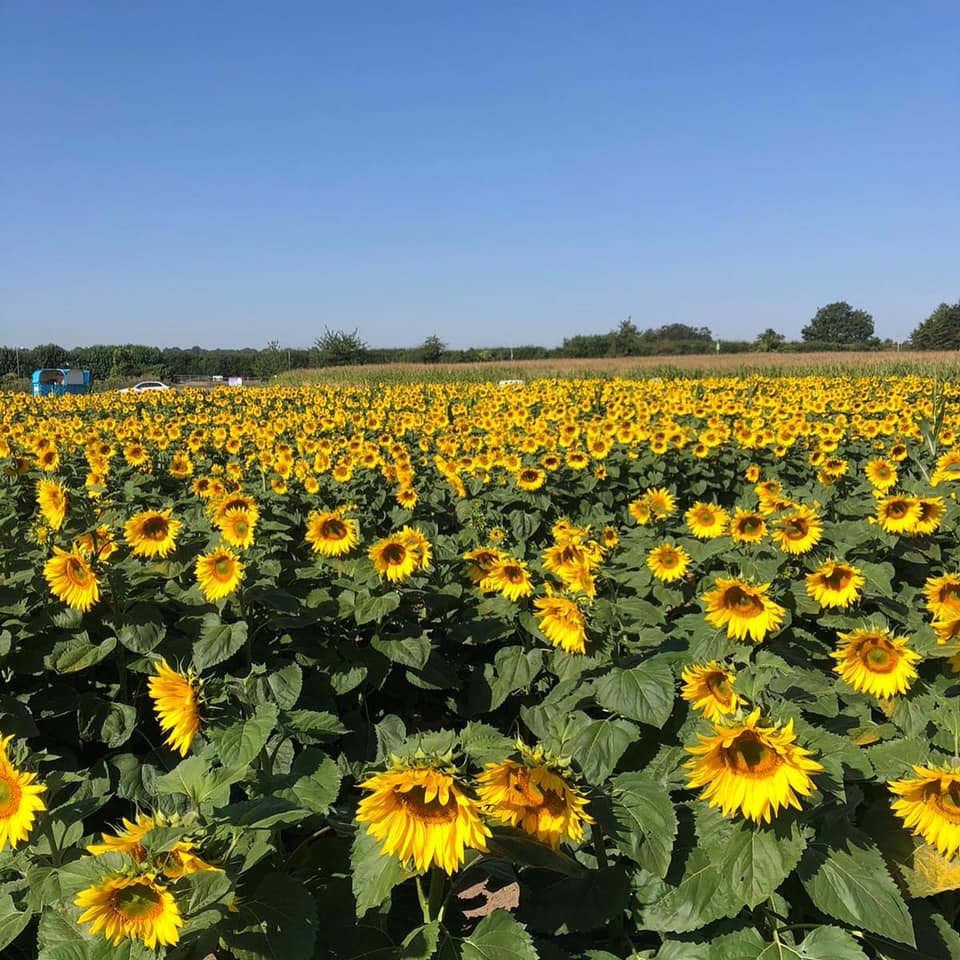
pixel 231 173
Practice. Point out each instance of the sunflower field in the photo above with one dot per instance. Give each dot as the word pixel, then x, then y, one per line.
pixel 577 670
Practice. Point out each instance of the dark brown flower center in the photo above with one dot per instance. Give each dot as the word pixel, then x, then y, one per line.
pixel 333 529
pixel 744 604
pixel 427 811
pixel 838 579
pixel 750 757
pixel 394 553
pixel 155 528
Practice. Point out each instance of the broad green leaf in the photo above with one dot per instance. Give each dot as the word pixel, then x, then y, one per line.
pixel 499 937
pixel 421 944
pixel 513 668
pixel 282 687
pixel 600 744
pixel 646 819
pixel 644 693
pixel 408 651
pixel 824 943
pixel 369 608
pixel 848 880
pixel 281 921
pixel 218 641
pixel 240 743
pixel 77 654
pixel 374 873
pixel 12 921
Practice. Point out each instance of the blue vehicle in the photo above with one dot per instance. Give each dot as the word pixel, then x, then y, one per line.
pixel 57 381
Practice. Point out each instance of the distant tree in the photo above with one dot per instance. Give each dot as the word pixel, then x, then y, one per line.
pixel 270 361
pixel 338 348
pixel 940 331
pixel 839 323
pixel 625 340
pixel 769 340
pixel 432 349
pixel 681 331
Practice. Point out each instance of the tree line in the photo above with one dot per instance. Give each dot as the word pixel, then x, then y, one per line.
pixel 836 326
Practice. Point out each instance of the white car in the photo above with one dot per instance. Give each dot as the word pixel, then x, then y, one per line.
pixel 144 386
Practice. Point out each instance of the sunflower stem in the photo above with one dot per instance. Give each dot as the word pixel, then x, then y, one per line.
pixel 52 840
pixel 424 905
pixel 437 884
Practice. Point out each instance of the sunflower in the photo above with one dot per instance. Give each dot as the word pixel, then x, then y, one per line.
pixel 752 473
pixel 417 544
pixel 562 622
pixel 932 510
pixel 710 689
pixel 406 496
pixel 218 573
pixel 929 805
pixel 882 474
pixel 947 467
pixel 743 608
pixel 176 702
pixel 423 815
pixel 640 511
pixel 509 577
pixel 72 579
pixel 706 520
pixel 98 544
pixel 128 841
pixel 530 479
pixel 835 584
pixel 898 514
pixel 481 560
pixel 53 503
pixel 152 533
pixel 330 533
pixel 943 596
pixel 392 558
pixel 19 799
pixel 236 527
pixel 237 500
pixel 874 662
pixel 131 906
pixel 747 527
pixel 751 768
pixel 668 562
pixel 798 532
pixel 535 798
pixel 662 502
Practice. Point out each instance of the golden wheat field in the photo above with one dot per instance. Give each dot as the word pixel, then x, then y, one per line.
pixel 582 668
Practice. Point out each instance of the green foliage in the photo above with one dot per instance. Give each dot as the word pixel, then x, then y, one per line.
pixel 940 331
pixel 338 348
pixel 839 323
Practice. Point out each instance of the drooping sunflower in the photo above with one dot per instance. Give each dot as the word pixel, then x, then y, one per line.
pixel 152 533
pixel 535 798
pixel 881 473
pixel 137 907
pixel 943 596
pixel 710 689
pixel 422 814
pixel 330 533
pixel 932 510
pixel 176 701
pixel 668 562
pixel 743 608
pixel 53 503
pixel 706 520
pixel 72 579
pixel 898 514
pixel 509 577
pixel 481 560
pixel 562 622
pixel 237 527
pixel 19 799
pixel 180 860
pixel 219 573
pixel 747 526
pixel 835 584
pixel 748 767
pixel 799 531
pixel 929 805
pixel 874 662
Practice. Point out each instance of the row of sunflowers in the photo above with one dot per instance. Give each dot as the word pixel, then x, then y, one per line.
pixel 572 669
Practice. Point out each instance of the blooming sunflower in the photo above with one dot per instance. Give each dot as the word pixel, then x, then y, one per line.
pixel 152 533
pixel 19 799
pixel 394 559
pixel 530 479
pixel 509 577
pixel 668 562
pixel 176 703
pixel 747 526
pixel 743 608
pixel 136 907
pixel 881 473
pixel 53 503
pixel 943 596
pixel 535 798
pixel 835 584
pixel 423 815
pixel 330 533
pixel 799 531
pixel 237 526
pixel 218 573
pixel 710 689
pixel 481 560
pixel 874 662
pixel 706 520
pixel 898 514
pixel 72 579
pixel 929 804
pixel 640 511
pixel 932 510
pixel 662 502
pixel 562 622
pixel 751 768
